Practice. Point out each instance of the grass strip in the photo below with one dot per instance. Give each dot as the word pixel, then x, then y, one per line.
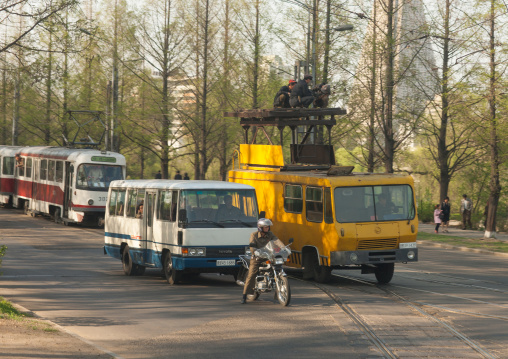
pixel 490 244
pixel 8 311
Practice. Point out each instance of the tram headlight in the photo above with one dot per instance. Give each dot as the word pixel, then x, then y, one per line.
pixel 90 202
pixel 353 257
pixel 410 255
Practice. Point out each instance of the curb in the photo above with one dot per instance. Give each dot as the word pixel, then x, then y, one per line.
pixel 463 249
pixel 32 314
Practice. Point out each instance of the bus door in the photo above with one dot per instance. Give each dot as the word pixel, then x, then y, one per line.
pixel 69 172
pixel 147 232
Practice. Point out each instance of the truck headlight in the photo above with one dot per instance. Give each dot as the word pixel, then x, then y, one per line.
pixel 353 257
pixel 411 255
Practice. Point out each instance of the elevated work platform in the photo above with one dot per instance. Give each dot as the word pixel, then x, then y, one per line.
pixel 310 120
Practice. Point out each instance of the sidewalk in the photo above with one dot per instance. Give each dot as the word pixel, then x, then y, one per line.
pixel 456 230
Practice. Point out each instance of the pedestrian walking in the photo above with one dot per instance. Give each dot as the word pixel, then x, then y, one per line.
pixel 466 205
pixel 437 217
pixel 446 208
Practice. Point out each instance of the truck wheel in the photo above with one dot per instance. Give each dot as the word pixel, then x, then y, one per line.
pixel 384 272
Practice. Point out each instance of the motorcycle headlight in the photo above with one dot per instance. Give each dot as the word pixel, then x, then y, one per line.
pixel 279 260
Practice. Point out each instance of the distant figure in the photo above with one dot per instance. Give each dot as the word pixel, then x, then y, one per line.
pixel 437 217
pixel 282 97
pixel 301 96
pixel 19 160
pixel 139 212
pixel 446 208
pixel 178 176
pixel 158 175
pixel 321 93
pixel 466 206
pixel 186 176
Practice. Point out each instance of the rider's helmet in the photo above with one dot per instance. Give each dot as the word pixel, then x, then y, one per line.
pixel 263 222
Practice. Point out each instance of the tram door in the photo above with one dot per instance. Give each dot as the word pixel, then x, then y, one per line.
pixel 35 184
pixel 69 172
pixel 148 216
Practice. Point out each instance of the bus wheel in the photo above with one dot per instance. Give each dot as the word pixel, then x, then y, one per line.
pixel 172 275
pixel 128 267
pixel 384 272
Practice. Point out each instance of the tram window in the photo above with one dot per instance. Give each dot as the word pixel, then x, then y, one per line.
pixel 28 168
pixel 44 169
pixel 165 206
pixel 293 198
pixel 59 171
pixel 112 202
pixel 51 170
pixel 328 206
pixel 8 166
pixel 314 204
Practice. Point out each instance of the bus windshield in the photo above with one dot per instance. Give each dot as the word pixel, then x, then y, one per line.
pixel 219 208
pixel 97 177
pixel 374 203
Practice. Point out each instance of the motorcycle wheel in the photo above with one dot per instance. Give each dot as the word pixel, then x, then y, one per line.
pixel 284 292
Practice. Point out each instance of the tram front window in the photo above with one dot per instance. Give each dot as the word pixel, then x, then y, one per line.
pixel 97 177
pixel 219 208
pixel 373 203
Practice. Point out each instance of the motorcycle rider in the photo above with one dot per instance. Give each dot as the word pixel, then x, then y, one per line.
pixel 258 239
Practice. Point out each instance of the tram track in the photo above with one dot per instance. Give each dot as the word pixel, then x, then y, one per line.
pixel 417 306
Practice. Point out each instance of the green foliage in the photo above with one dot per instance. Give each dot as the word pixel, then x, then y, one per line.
pixel 426 207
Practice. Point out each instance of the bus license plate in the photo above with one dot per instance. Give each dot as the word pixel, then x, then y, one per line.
pixel 225 262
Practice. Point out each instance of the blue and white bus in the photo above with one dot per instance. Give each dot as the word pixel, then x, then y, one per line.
pixel 179 226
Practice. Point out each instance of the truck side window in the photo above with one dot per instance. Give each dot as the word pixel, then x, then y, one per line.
pixel 314 204
pixel 293 198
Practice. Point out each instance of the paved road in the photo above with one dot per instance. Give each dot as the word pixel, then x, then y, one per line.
pixel 457 231
pixel 450 304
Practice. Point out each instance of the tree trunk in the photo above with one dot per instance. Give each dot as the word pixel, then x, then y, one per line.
pixel 444 170
pixel 495 186
pixel 390 85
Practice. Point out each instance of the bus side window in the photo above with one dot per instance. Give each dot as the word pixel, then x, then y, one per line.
pixel 174 202
pixel 314 204
pixel 293 198
pixel 328 206
pixel 112 202
pixel 59 171
pixel 164 205
pixel 120 203
pixel 44 169
pixel 131 198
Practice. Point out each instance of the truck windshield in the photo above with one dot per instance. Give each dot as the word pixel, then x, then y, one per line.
pixel 219 208
pixel 97 177
pixel 374 203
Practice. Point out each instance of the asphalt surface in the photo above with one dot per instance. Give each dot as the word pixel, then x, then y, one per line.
pixel 456 230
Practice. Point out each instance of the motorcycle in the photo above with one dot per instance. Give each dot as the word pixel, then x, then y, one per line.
pixel 271 275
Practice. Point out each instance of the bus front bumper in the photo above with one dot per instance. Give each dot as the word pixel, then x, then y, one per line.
pixel 373 257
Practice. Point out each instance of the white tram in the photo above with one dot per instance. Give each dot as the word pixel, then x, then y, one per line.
pixel 179 226
pixel 69 184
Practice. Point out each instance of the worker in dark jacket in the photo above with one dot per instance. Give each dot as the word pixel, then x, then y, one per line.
pixel 301 96
pixel 258 240
pixel 282 97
